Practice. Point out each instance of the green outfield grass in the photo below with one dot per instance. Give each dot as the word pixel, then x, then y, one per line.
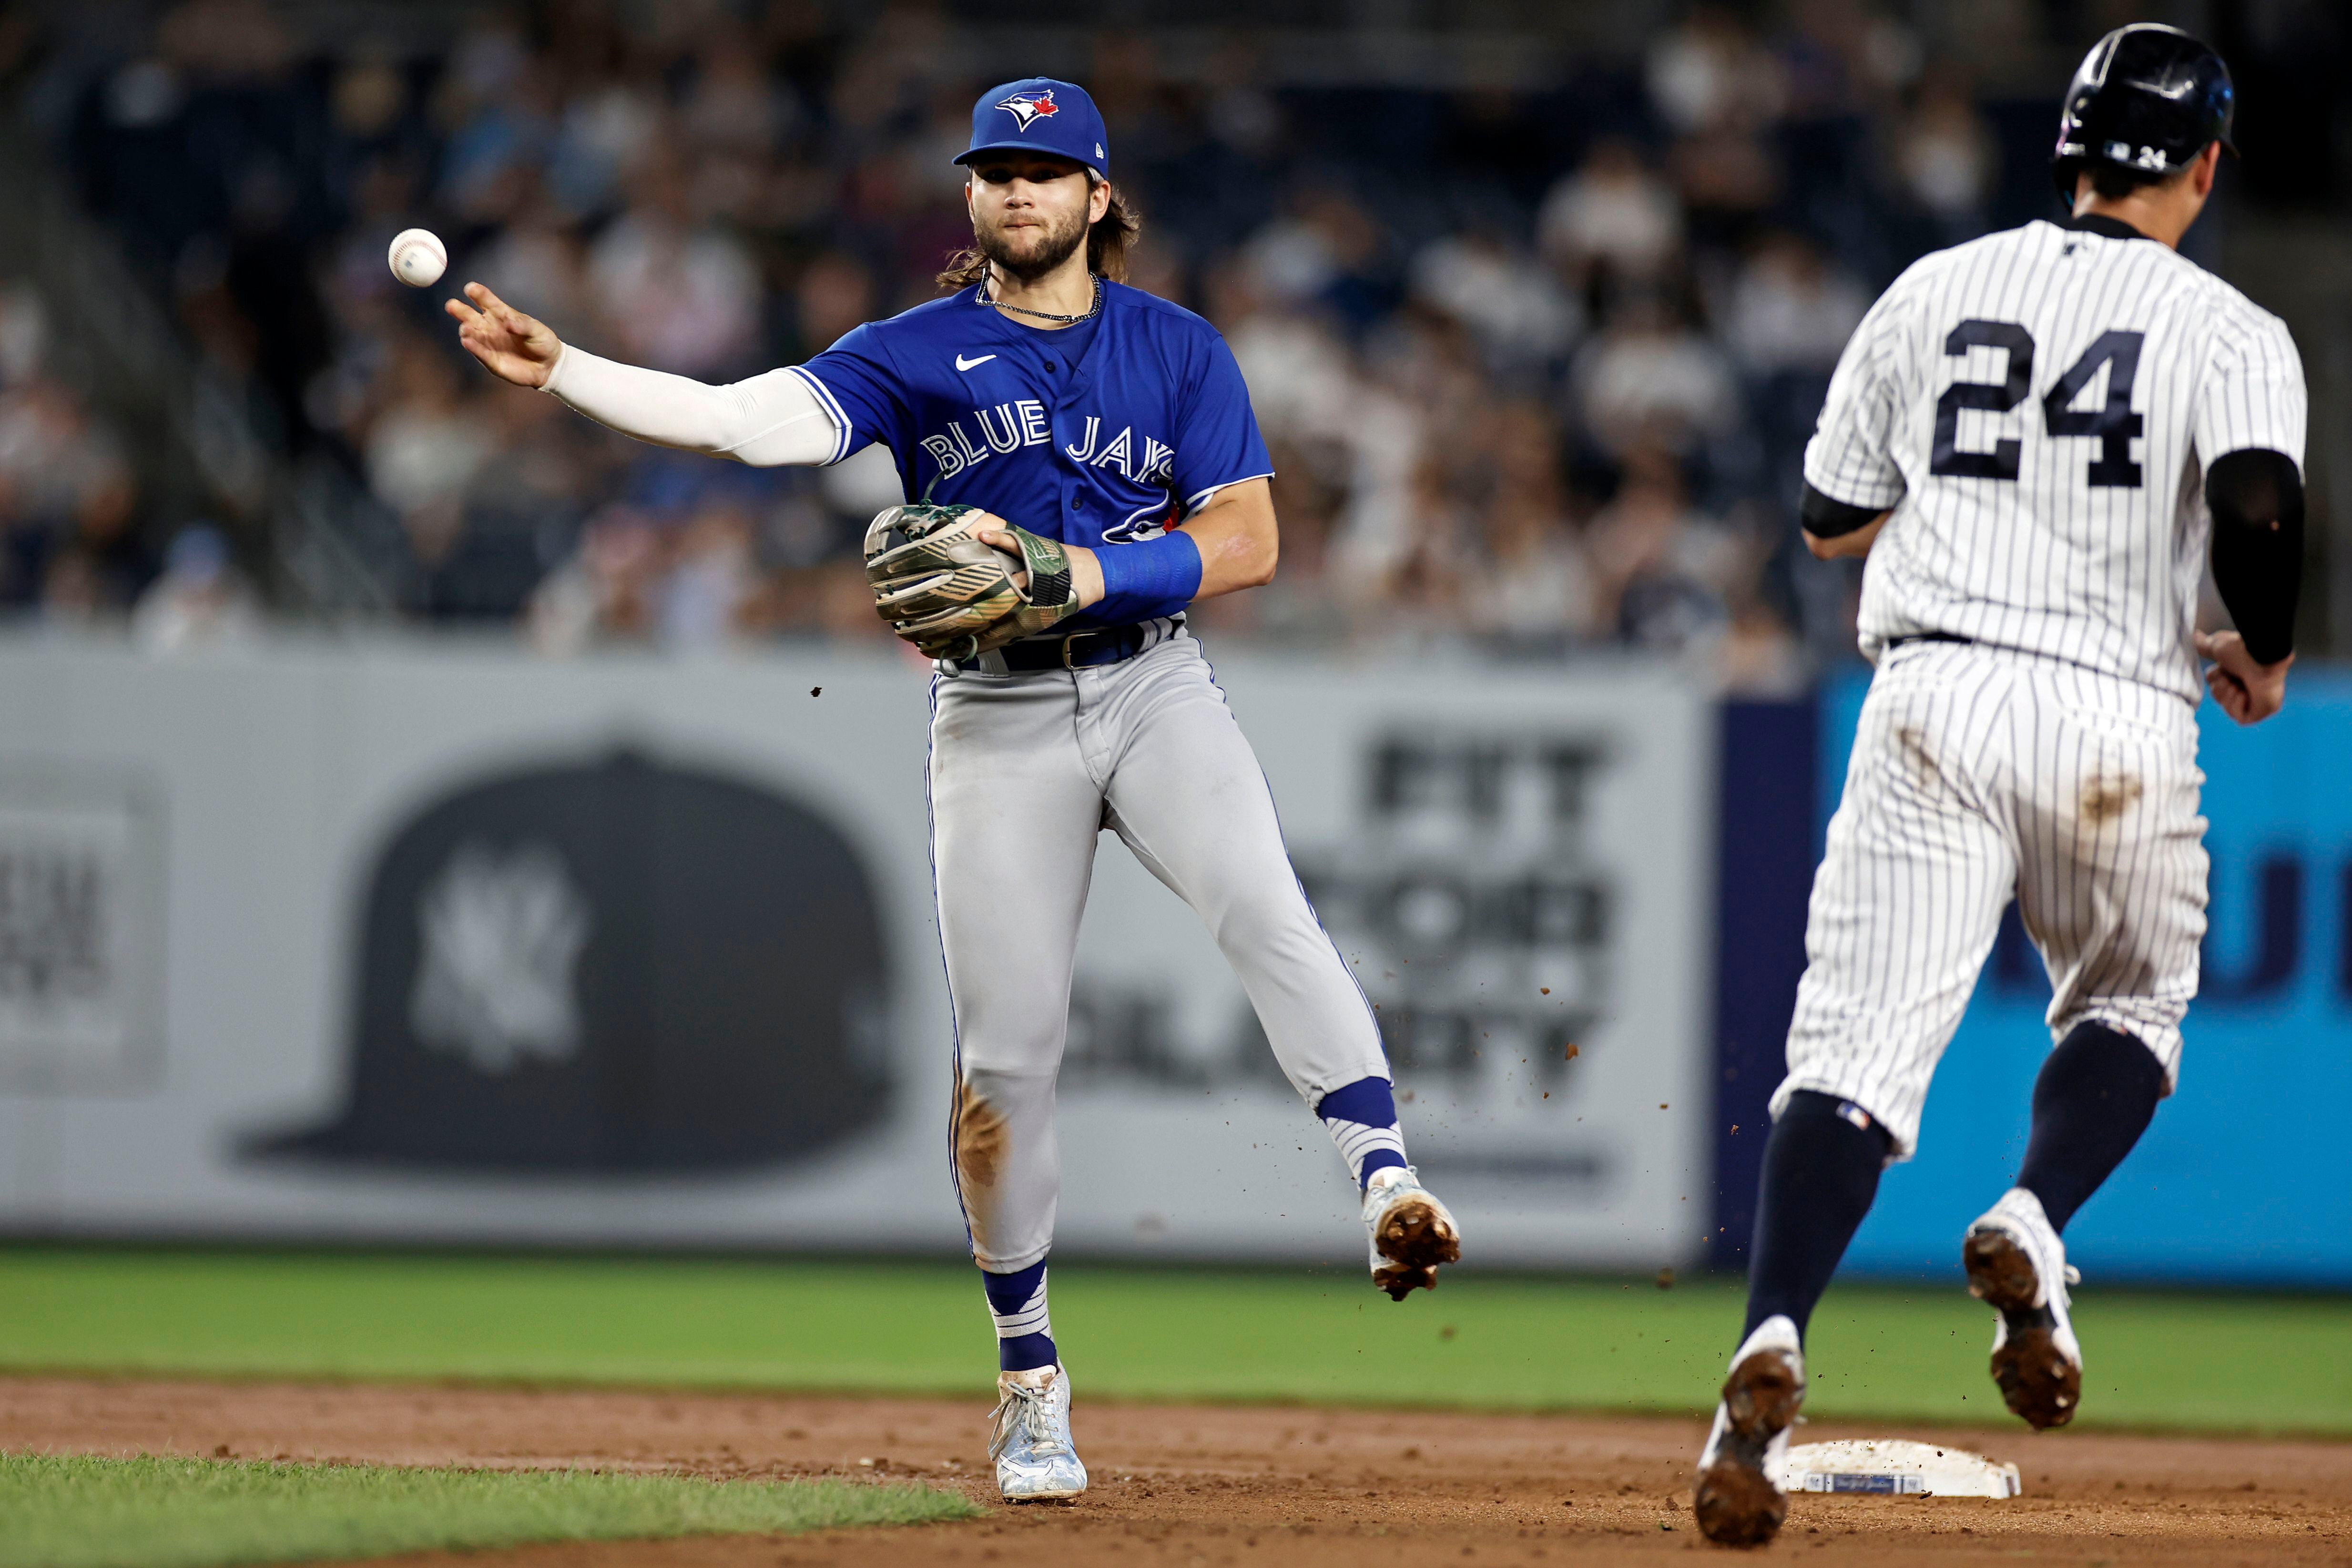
pixel 73 1513
pixel 1485 1340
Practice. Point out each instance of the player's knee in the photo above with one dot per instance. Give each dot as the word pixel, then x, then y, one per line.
pixel 1262 920
pixel 1014 1036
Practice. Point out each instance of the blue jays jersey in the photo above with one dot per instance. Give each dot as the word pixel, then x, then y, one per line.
pixel 1098 434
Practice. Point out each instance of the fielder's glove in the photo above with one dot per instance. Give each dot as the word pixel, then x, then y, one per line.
pixel 940 588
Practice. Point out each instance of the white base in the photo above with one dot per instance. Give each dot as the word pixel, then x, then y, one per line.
pixel 1896 1467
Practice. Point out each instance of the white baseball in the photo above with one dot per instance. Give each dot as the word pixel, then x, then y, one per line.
pixel 418 258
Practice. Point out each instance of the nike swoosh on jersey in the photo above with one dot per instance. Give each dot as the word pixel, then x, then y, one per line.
pixel 963 364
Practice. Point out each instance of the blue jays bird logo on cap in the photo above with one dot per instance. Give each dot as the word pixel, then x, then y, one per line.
pixel 1027 107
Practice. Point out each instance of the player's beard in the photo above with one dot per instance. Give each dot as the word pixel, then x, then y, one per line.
pixel 1042 252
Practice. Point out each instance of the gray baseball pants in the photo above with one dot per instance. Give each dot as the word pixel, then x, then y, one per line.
pixel 1025 771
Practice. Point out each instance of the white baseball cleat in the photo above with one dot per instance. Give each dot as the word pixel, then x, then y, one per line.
pixel 2017 1266
pixel 1737 1497
pixel 1031 1444
pixel 1412 1232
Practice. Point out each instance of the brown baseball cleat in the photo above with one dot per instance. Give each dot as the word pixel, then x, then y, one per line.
pixel 1412 1232
pixel 1736 1498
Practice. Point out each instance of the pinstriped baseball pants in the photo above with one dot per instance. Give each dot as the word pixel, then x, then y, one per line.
pixel 1979 774
pixel 1026 772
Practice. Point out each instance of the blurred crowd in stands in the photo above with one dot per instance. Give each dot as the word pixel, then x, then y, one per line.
pixel 74 546
pixel 1537 367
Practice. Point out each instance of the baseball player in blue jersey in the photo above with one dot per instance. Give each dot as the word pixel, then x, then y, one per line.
pixel 1087 467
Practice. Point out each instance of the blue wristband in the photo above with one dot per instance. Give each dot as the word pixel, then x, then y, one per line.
pixel 1154 577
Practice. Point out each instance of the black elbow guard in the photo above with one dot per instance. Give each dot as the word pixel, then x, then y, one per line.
pixel 2256 498
pixel 1826 517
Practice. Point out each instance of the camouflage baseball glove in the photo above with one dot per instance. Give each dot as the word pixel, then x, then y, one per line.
pixel 952 596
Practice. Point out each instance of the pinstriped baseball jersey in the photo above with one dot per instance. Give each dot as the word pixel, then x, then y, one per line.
pixel 2039 407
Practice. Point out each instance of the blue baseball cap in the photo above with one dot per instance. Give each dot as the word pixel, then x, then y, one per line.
pixel 1038 115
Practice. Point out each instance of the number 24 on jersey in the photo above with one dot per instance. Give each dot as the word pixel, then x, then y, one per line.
pixel 2113 426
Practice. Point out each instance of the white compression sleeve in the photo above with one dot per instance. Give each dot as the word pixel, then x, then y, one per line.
pixel 769 420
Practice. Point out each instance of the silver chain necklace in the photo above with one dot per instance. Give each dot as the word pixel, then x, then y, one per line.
pixel 1091 311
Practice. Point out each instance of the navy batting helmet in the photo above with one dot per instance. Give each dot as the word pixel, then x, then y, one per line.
pixel 2146 97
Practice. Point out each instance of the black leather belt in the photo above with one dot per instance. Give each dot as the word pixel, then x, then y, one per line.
pixel 1075 650
pixel 1927 636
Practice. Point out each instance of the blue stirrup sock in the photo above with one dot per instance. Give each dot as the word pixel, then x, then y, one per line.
pixel 1362 1121
pixel 1151 577
pixel 1016 1304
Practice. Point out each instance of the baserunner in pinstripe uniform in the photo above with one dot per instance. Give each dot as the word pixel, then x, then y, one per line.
pixel 2032 437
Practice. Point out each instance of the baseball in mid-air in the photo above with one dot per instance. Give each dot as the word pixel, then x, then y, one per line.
pixel 418 258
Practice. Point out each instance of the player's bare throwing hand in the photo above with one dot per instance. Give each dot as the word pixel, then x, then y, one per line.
pixel 2031 438
pixel 520 348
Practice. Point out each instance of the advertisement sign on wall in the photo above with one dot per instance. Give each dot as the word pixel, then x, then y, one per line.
pixel 1517 867
pixel 81 941
pixel 449 942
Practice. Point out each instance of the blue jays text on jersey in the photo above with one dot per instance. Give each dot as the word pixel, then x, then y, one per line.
pixel 1096 434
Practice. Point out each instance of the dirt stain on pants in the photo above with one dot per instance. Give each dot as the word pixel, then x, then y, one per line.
pixel 2105 797
pixel 981 1136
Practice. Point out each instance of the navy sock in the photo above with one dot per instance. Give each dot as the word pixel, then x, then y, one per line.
pixel 1024 1334
pixel 1361 1119
pixel 2095 1096
pixel 1821 1172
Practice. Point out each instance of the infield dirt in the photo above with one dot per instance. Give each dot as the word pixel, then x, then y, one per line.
pixel 1201 1486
